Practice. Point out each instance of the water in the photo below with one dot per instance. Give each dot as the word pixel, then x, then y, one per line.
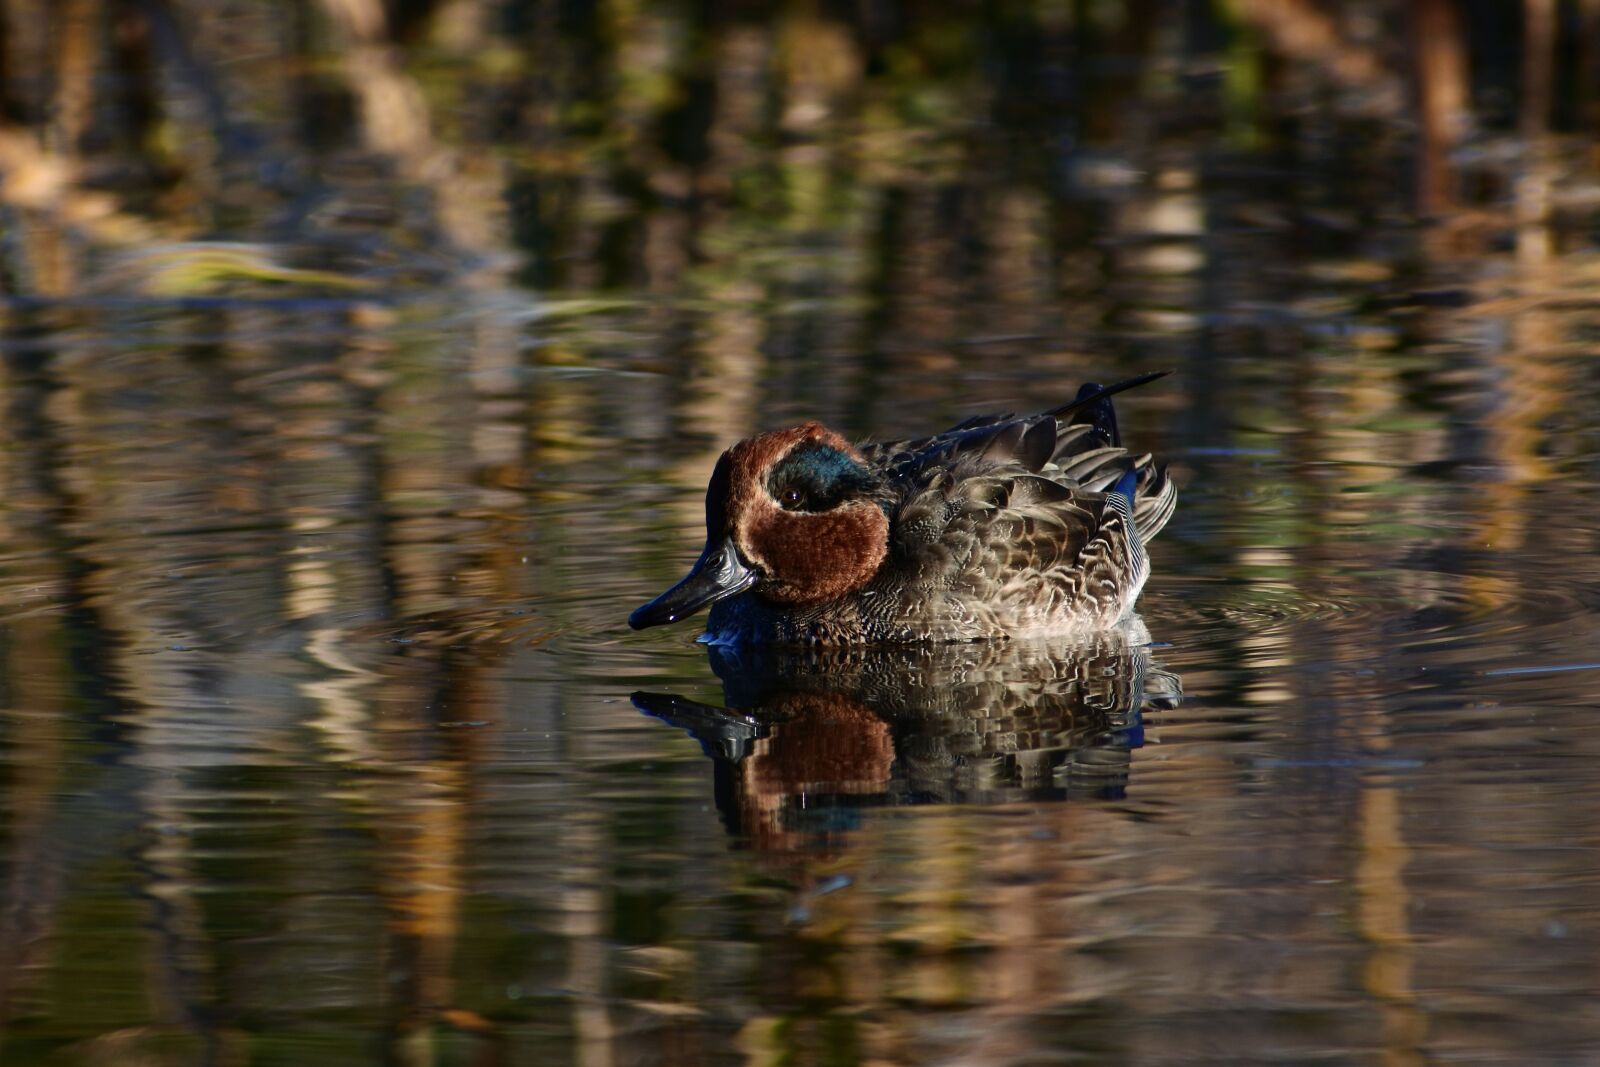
pixel 352 397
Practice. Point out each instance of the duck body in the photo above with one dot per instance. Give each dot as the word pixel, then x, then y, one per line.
pixel 1002 526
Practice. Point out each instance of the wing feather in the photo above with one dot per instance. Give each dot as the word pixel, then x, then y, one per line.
pixel 1021 516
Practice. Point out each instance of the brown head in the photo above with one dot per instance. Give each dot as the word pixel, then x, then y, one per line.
pixel 792 514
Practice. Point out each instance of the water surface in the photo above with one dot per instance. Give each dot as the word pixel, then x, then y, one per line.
pixel 340 434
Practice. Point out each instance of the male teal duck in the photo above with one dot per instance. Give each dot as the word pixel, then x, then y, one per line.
pixel 1002 526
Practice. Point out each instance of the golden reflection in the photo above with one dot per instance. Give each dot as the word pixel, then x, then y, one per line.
pixel 74 73
pixel 1441 90
pixel 722 385
pixel 397 121
pixel 1535 182
pixel 821 67
pixel 1389 973
pixel 422 834
pixel 240 560
pixel 1306 33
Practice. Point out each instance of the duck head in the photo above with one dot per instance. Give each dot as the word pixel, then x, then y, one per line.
pixel 793 515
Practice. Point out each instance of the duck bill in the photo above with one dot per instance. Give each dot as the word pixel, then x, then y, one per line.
pixel 718 574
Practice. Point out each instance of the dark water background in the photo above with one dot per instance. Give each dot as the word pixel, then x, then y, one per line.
pixel 363 366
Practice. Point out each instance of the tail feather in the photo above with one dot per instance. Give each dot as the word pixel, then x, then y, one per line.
pixel 1154 500
pixel 1090 395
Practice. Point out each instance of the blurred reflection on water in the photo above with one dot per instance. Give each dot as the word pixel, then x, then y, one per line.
pixel 362 366
pixel 812 733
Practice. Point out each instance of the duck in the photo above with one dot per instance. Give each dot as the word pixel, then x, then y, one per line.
pixel 1002 526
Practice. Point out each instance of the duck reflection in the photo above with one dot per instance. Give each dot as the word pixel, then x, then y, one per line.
pixel 810 736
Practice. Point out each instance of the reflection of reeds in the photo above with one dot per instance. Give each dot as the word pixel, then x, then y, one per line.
pixel 396 120
pixel 1383 916
pixel 1307 33
pixel 1534 183
pixel 1440 90
pixel 35 871
pixel 216 512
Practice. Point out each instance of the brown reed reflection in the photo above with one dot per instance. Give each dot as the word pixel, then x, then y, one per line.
pixel 353 352
pixel 627 164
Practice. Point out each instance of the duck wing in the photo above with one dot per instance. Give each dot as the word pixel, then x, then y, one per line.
pixel 1000 433
pixel 1023 551
pixel 1076 447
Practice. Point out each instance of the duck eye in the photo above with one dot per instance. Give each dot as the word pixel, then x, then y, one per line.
pixel 817 477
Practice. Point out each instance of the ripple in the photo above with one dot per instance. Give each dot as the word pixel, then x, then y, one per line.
pixel 1414 602
pixel 1252 605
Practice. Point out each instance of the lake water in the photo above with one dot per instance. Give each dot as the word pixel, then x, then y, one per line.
pixel 337 444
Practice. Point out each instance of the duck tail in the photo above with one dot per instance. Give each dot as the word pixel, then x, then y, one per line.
pixel 1093 405
pixel 1099 412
